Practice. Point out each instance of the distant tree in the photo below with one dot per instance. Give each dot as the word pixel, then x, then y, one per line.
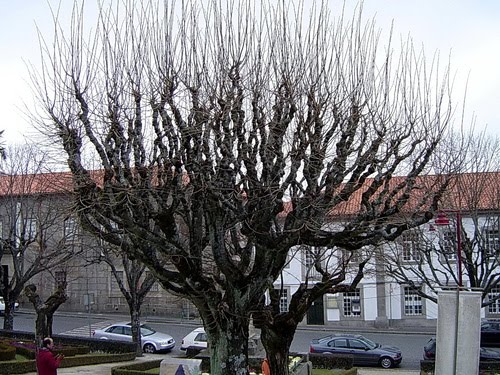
pixel 45 309
pixel 134 281
pixel 427 257
pixel 229 138
pixel 35 215
pixel 3 154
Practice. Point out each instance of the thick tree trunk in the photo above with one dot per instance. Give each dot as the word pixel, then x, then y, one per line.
pixel 49 319
pixel 40 327
pixel 135 320
pixel 276 339
pixel 8 319
pixel 228 341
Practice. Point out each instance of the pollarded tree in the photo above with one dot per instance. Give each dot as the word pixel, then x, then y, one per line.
pixel 45 309
pixel 427 258
pixel 228 133
pixel 35 213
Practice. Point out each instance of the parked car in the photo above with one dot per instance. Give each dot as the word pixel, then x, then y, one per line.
pixel 490 332
pixel 151 340
pixel 364 351
pixel 484 353
pixel 194 342
pixel 2 306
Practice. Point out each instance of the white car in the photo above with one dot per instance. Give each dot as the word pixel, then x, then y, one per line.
pixel 2 306
pixel 195 341
pixel 151 340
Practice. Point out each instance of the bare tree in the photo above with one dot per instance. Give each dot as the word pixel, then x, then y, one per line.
pixel 33 214
pixel 463 245
pixel 134 282
pixel 3 154
pixel 45 309
pixel 231 136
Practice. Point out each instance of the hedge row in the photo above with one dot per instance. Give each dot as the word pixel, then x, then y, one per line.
pixel 136 368
pixel 331 361
pixel 74 349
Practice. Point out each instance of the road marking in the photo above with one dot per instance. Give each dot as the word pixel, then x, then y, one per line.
pixel 86 331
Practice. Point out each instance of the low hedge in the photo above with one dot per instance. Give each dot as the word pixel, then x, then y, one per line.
pixel 73 348
pixel 331 361
pixel 96 358
pixel 7 352
pixel 22 367
pixel 136 368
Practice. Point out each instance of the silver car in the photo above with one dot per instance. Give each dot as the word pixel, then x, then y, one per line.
pixel 151 340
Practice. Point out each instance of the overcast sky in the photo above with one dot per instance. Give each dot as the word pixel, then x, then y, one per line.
pixel 468 30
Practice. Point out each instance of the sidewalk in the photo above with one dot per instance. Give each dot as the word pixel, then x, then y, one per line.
pixel 101 369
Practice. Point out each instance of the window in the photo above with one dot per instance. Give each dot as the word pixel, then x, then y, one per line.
pixel 202 336
pixel 410 243
pixel 339 343
pixel 492 236
pixel 70 229
pixel 310 257
pixel 493 240
pixel 60 277
pixel 413 305
pixel 352 303
pixel 116 329
pixel 30 230
pixel 283 299
pixel 356 344
pixel 494 308
pixel 448 244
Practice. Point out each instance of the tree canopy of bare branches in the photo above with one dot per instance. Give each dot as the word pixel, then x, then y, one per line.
pixel 471 226
pixel 33 240
pixel 227 133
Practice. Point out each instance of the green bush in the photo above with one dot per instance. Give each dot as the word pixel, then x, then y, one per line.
pixel 135 368
pixel 331 361
pixel 96 358
pixel 17 367
pixel 7 352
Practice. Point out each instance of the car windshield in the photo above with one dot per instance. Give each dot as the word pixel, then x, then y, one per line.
pixel 369 343
pixel 147 331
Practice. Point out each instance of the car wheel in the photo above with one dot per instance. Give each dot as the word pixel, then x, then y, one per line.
pixel 149 348
pixel 386 362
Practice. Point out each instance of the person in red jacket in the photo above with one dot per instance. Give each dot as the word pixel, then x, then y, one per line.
pixel 46 362
pixel 266 369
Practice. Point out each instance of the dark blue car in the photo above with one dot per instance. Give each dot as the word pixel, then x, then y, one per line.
pixel 364 351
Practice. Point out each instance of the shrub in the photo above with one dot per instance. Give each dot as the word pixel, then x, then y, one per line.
pixel 331 361
pixel 7 352
pixel 135 368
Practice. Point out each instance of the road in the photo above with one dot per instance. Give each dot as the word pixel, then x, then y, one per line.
pixel 411 345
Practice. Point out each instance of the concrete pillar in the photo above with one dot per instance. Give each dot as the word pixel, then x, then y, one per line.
pixel 458 333
pixel 381 321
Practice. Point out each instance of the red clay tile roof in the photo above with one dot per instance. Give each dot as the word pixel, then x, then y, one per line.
pixel 470 191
